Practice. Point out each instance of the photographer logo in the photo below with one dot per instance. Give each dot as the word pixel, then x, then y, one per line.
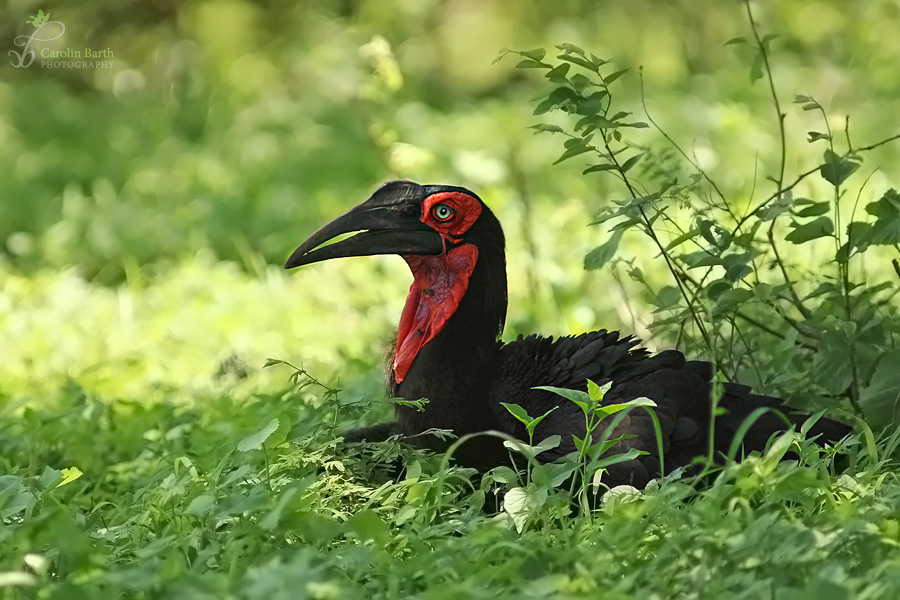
pixel 49 31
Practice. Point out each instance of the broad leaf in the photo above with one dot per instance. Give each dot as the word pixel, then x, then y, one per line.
pixel 886 210
pixel 368 526
pixel 200 505
pixel 597 392
pixel 256 440
pixel 516 505
pixel 578 397
pixel 544 128
pixel 814 209
pixel 602 254
pixel 881 399
pixel 836 169
pixel 611 409
pixel 613 76
pixel 536 54
pixel 518 412
pixel 821 227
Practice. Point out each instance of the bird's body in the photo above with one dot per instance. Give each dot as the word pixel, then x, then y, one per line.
pixel 448 349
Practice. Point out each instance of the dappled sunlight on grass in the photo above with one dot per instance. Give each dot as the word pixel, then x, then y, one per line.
pixel 198 326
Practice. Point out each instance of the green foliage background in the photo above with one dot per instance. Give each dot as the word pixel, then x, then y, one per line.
pixel 145 210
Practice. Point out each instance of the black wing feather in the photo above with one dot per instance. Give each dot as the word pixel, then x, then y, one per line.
pixel 680 389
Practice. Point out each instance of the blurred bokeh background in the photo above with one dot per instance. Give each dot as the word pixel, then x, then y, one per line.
pixel 145 208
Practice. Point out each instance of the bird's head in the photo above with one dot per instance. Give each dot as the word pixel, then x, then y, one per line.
pixel 439 230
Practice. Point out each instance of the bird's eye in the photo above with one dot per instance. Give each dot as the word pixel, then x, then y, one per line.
pixel 442 212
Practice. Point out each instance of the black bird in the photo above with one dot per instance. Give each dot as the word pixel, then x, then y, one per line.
pixel 448 348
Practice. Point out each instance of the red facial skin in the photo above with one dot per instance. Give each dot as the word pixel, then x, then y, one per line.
pixel 439 282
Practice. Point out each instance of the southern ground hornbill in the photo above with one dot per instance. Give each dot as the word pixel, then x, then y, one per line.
pixel 448 349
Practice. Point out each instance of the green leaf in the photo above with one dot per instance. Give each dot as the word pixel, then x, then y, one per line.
pixel 571 48
pixel 613 76
pixel 531 64
pixel 279 436
pixel 815 136
pixel 558 73
pixel 520 447
pixel 859 237
pixel 597 392
pixel 836 169
pixel 516 504
pixel 577 396
pixel 14 499
pixel 544 128
pixel 536 54
pixel 503 474
pixel 524 449
pixel 200 505
pixel 600 167
pixel 756 69
pixel 777 207
pixel 580 82
pixel 571 152
pixel 886 210
pixel 880 400
pixel 367 525
pixel 667 297
pixel 286 498
pixel 702 258
pixel 543 107
pixel 821 227
pixel 706 231
pixel 255 441
pixel 631 162
pixel 611 409
pixel 602 254
pixel 762 291
pixel 717 288
pixel 738 272
pixel 577 60
pixel 558 472
pixel 50 477
pixel 735 41
pixel 548 443
pixel 631 454
pixel 815 209
pixel 736 296
pixel 518 412
pixel 69 475
pixel 684 237
pixel 537 420
pixel 503 52
pixel 597 61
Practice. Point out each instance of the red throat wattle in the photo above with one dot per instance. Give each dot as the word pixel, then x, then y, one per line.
pixel 439 284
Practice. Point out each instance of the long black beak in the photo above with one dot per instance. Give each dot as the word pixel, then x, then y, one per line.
pixel 385 229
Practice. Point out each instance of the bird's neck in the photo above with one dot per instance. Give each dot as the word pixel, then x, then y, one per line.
pixel 455 368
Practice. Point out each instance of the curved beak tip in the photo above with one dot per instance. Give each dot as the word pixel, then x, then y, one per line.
pixel 297 258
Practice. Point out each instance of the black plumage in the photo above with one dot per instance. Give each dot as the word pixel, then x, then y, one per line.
pixel 465 372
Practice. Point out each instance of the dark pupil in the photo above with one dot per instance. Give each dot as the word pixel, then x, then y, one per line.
pixel 443 212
